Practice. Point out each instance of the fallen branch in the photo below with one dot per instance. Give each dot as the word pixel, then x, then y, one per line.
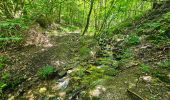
pixel 134 95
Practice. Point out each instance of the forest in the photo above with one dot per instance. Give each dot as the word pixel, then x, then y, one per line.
pixel 84 49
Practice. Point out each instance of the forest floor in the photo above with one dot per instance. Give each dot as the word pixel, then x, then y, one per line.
pixel 122 67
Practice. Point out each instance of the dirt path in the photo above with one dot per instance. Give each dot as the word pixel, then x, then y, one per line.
pixel 27 61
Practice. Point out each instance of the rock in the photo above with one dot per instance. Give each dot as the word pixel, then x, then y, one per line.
pixel 62 94
pixel 42 90
pixel 63 83
pixel 146 79
pixel 62 73
pixel 72 70
pixel 99 89
pixel 118 40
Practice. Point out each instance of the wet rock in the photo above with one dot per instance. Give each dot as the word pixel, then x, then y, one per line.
pixel 97 91
pixel 63 83
pixel 42 90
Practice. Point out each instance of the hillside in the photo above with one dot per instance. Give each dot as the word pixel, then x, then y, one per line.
pixel 100 53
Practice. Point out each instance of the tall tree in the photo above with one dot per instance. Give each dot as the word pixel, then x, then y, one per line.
pixel 88 17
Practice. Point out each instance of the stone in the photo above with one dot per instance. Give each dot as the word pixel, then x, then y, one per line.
pixel 62 73
pixel 97 91
pixel 62 94
pixel 63 83
pixel 146 79
pixel 42 90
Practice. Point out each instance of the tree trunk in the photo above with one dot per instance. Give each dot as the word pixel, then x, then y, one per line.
pixel 88 17
pixel 59 14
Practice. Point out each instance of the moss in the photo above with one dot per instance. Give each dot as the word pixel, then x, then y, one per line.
pixel 110 71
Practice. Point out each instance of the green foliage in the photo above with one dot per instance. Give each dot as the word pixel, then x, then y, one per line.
pixel 45 71
pixel 107 62
pixel 165 64
pixel 167 16
pixel 12 31
pixel 90 74
pixel 127 54
pixel 3 60
pixel 2 86
pixel 154 97
pixel 5 76
pixel 132 39
pixel 94 75
pixel 109 71
pixel 69 28
pixel 145 68
pixel 152 25
pixel 162 76
pixel 4 80
pixel 84 51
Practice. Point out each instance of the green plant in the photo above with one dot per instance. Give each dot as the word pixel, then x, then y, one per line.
pixel 153 25
pixel 84 51
pixel 2 86
pixel 127 54
pixel 109 71
pixel 45 71
pixel 132 39
pixel 165 64
pixel 167 16
pixel 145 68
pixel 162 76
pixel 154 97
pixel 3 60
pixel 12 31
pixel 1 65
pixel 6 76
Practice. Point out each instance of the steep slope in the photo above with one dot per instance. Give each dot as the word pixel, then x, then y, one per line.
pixel 143 52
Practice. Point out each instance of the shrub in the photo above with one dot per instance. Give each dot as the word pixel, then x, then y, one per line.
pixel 3 60
pixel 132 39
pixel 2 86
pixel 84 51
pixel 165 64
pixel 6 76
pixel 45 71
pixel 145 68
pixel 12 32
